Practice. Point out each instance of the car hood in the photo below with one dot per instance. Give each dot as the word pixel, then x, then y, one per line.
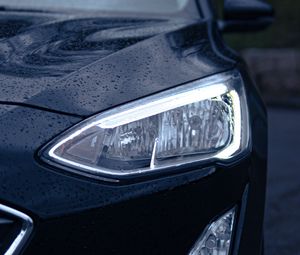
pixel 85 64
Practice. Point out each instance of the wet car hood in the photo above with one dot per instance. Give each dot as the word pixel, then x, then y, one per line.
pixel 82 65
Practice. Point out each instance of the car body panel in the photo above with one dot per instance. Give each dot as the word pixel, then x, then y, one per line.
pixel 78 215
pixel 97 63
pixel 69 210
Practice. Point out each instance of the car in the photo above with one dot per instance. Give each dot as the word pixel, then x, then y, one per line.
pixel 130 127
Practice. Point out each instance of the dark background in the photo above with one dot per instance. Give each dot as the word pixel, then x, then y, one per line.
pixel 284 33
pixel 273 56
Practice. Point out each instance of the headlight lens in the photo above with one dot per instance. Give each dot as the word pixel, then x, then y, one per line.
pixel 217 238
pixel 200 121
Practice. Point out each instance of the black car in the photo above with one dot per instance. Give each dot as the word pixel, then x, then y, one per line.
pixel 129 127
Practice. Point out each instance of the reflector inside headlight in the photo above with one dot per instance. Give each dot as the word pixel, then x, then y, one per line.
pixel 216 239
pixel 202 120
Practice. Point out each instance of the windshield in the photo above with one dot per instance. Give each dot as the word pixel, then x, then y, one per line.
pixel 147 6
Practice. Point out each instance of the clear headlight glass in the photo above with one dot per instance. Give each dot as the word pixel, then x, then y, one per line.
pixel 200 121
pixel 216 239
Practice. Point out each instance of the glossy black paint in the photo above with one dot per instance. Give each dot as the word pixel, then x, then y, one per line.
pixel 97 63
pixel 54 71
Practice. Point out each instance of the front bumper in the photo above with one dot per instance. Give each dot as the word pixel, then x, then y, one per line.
pixel 74 215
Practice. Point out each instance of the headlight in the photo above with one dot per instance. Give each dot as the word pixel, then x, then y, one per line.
pixel 217 237
pixel 206 120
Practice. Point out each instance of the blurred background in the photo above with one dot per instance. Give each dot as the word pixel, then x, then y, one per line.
pixel 273 56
